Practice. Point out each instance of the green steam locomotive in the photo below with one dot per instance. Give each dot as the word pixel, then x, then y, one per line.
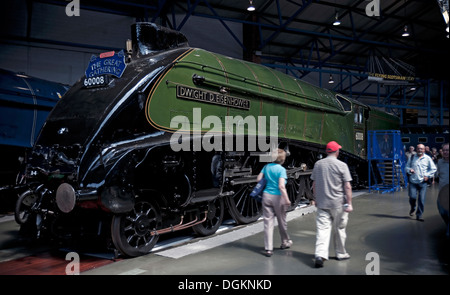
pixel 164 137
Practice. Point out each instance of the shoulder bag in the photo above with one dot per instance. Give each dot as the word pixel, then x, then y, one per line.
pixel 258 190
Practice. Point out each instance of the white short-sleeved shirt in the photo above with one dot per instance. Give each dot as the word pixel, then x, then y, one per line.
pixel 330 175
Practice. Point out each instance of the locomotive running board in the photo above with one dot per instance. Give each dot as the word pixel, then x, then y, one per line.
pixel 205 195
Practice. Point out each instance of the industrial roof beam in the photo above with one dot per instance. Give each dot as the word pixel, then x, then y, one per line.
pixel 379 22
pixel 284 25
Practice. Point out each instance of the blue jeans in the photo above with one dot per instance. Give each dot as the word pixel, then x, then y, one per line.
pixel 420 190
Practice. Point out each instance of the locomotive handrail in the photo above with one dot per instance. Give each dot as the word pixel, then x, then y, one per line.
pixel 266 86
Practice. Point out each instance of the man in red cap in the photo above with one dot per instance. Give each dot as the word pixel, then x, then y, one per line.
pixel 333 199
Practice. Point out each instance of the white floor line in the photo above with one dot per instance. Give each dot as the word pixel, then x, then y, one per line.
pixel 222 239
pixel 6 218
pixel 134 271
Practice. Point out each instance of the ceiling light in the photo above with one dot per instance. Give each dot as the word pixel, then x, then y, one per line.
pixel 405 31
pixel 445 15
pixel 336 22
pixel 251 7
pixel 331 81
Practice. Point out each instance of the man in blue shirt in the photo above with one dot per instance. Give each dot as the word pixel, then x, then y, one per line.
pixel 420 168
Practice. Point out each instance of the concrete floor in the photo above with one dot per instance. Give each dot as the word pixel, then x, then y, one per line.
pixel 380 223
pixel 379 227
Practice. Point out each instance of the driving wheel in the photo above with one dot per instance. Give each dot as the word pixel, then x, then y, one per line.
pixel 133 233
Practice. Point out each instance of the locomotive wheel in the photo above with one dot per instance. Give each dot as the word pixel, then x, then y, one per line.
pixel 24 204
pixel 214 219
pixel 243 208
pixel 132 232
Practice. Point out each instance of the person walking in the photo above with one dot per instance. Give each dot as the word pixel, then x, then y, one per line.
pixel 420 169
pixel 442 166
pixel 443 173
pixel 333 198
pixel 275 202
pixel 410 152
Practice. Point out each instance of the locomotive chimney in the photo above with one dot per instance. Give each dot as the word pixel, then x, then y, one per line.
pixel 149 37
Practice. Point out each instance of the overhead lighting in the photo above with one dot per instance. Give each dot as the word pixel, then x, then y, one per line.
pixel 443 4
pixel 405 28
pixel 331 81
pixel 251 7
pixel 405 31
pixel 336 22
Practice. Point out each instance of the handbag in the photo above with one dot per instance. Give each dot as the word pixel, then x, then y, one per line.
pixel 258 190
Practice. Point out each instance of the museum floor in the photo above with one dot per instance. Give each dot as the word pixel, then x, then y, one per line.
pixel 382 238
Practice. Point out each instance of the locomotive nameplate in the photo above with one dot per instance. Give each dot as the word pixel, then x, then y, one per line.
pixel 108 63
pixel 212 97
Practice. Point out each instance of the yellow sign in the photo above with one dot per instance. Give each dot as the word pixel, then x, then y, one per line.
pixel 391 77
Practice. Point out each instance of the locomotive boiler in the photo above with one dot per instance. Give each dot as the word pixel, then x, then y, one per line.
pixel 166 137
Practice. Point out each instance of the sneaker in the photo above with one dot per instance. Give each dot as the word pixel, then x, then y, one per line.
pixel 268 253
pixel 319 262
pixel 343 257
pixel 286 245
pixel 411 212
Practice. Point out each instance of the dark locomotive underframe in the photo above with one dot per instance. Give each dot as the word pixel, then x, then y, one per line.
pixel 178 189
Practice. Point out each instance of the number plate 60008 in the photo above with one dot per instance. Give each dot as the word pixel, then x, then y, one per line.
pixel 97 81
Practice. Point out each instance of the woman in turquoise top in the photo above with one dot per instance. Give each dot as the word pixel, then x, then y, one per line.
pixel 275 202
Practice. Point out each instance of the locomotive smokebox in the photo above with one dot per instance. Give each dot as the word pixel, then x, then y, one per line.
pixel 149 37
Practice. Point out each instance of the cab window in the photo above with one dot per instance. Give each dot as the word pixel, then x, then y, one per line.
pixel 345 103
